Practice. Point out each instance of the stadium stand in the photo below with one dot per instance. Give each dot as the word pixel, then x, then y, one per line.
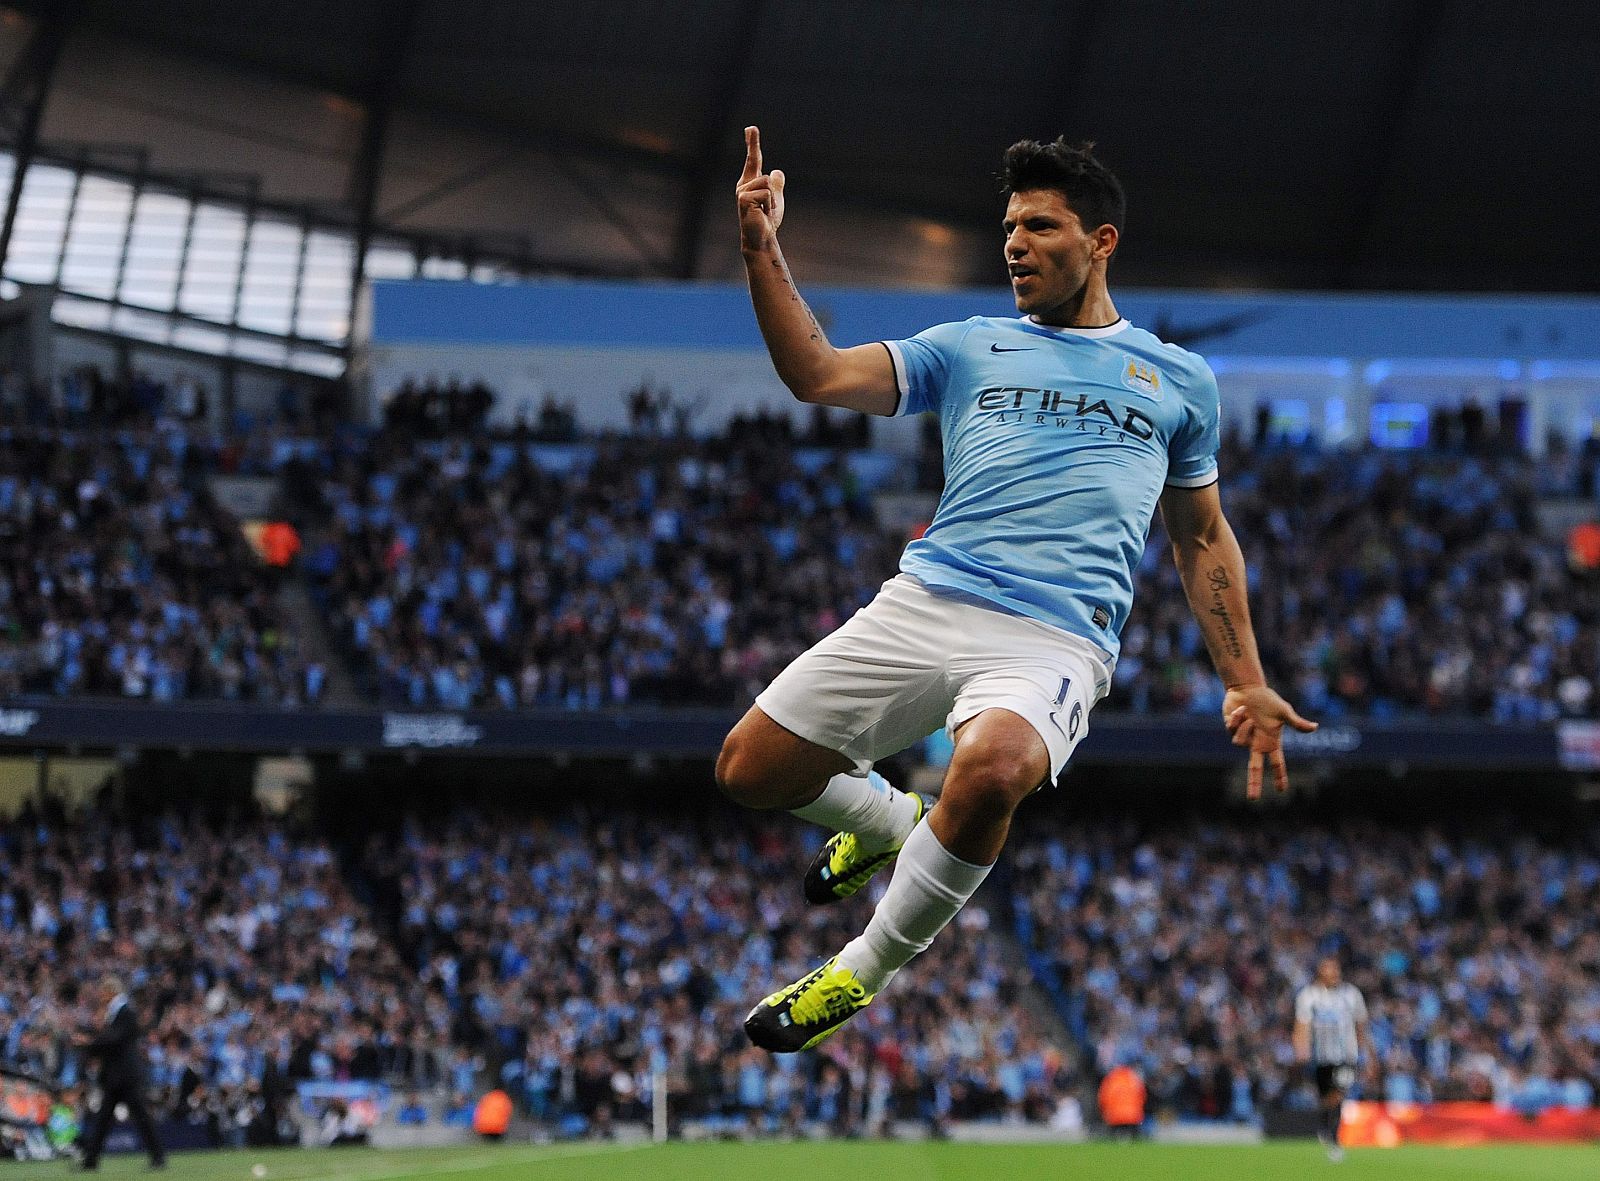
pixel 259 965
pixel 1382 583
pixel 1179 947
pixel 462 575
pixel 124 578
pixel 571 956
pixel 568 957
pixel 613 942
pixel 466 571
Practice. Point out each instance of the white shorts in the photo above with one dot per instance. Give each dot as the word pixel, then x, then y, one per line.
pixel 914 659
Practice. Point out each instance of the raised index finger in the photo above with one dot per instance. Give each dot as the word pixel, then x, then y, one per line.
pixel 752 154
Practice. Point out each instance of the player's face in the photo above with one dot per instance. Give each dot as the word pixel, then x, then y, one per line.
pixel 1048 253
pixel 1328 973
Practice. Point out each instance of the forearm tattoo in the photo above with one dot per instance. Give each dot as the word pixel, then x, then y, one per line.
pixel 794 294
pixel 1218 578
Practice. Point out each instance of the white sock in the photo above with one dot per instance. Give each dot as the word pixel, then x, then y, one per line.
pixel 879 815
pixel 929 885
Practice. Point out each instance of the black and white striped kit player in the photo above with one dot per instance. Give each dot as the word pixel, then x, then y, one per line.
pixel 1332 1016
pixel 1330 1035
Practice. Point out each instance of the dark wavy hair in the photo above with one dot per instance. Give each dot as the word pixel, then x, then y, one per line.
pixel 1089 188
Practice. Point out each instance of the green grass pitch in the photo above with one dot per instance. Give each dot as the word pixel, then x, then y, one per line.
pixel 826 1160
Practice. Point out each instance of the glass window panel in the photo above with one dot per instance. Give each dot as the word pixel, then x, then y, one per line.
pixel 324 312
pixel 201 339
pixel 270 266
pixel 211 274
pixel 41 219
pixel 322 364
pixel 81 313
pixel 94 239
pixel 143 325
pixel 154 247
pixel 267 352
pixel 391 261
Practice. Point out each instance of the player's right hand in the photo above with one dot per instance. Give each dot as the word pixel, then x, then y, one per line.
pixel 1255 716
pixel 760 197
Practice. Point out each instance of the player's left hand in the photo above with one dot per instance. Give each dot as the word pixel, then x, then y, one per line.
pixel 1255 716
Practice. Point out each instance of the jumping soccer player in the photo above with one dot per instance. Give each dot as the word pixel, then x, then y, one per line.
pixel 1330 1034
pixel 1062 430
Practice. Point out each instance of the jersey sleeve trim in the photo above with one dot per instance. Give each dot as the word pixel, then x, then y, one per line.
pixel 898 359
pixel 901 381
pixel 1203 480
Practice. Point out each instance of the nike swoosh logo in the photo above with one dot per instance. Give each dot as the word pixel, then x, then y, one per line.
pixel 994 348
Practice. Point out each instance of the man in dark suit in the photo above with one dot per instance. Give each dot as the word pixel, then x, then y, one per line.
pixel 118 1047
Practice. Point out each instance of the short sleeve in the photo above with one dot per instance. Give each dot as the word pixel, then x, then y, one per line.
pixel 1192 458
pixel 922 365
pixel 1358 1004
pixel 1302 1007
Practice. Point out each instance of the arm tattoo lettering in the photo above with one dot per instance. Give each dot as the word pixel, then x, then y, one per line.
pixel 794 296
pixel 816 329
pixel 1218 578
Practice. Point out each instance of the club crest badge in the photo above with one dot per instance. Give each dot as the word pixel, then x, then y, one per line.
pixel 1141 377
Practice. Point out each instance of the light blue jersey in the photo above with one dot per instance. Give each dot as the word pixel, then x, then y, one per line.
pixel 1057 444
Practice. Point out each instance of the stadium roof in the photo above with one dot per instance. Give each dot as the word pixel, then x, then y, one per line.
pixel 1392 144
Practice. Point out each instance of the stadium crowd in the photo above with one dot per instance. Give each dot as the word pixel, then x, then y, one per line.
pixel 1382 584
pixel 569 959
pixel 576 958
pixel 256 966
pixel 464 571
pixel 1180 948
pixel 672 570
pixel 120 575
pixel 588 952
pixel 434 409
pixel 628 570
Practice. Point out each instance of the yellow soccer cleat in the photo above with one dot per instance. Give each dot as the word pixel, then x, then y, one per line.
pixel 809 1010
pixel 842 866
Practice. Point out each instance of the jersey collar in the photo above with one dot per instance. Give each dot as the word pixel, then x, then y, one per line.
pixel 1091 333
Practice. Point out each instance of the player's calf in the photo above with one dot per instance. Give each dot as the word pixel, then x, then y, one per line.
pixel 999 759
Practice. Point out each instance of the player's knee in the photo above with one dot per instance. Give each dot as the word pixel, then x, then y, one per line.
pixel 989 784
pixel 744 777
